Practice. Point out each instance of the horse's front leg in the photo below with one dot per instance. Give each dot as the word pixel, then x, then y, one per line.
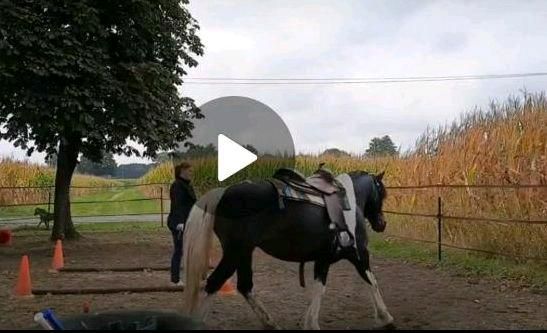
pixel 381 314
pixel 311 319
pixel 383 317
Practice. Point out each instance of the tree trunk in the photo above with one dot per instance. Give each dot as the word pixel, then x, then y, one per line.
pixel 67 158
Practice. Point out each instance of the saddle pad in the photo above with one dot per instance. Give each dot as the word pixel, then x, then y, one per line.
pixel 288 192
pixel 349 206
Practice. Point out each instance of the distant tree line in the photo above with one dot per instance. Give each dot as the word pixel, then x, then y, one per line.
pixel 378 147
pixel 107 167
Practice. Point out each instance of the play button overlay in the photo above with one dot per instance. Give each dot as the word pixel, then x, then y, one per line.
pixel 239 139
pixel 232 157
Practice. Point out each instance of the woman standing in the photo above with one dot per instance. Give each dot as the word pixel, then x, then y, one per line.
pixel 182 197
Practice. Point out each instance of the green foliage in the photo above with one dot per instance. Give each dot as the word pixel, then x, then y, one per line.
pixel 133 170
pixel 43 179
pixel 381 147
pixel 459 262
pixel 196 151
pixel 108 202
pixel 193 151
pixel 251 148
pixel 335 152
pixel 51 160
pixel 94 73
pixel 163 157
pixel 86 76
pixel 107 166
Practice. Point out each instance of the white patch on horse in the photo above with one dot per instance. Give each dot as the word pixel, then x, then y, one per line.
pixel 205 307
pixel 261 312
pixel 349 215
pixel 380 310
pixel 311 319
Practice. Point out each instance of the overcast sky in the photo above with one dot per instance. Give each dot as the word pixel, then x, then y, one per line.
pixel 321 39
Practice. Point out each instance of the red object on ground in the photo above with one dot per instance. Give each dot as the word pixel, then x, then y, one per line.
pixel 23 288
pixel 58 261
pixel 5 237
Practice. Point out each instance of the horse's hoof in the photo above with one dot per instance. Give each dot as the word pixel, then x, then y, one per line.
pixel 390 326
pixel 271 327
pixel 387 327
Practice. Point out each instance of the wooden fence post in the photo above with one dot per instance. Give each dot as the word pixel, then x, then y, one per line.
pixel 161 205
pixel 439 228
pixel 49 200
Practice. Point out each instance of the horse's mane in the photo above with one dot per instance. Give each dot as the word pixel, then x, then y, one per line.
pixel 359 173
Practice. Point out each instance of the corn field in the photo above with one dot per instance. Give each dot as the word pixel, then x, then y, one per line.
pixel 24 174
pixel 502 145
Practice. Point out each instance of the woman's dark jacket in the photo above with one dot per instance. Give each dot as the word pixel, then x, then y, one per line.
pixel 182 197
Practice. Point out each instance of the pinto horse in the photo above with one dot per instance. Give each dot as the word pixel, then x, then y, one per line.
pixel 247 215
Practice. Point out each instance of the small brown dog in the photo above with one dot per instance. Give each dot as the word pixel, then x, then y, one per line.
pixel 45 217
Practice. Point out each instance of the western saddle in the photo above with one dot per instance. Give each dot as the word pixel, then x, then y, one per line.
pixel 321 183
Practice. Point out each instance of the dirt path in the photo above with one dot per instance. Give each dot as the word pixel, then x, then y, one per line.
pixel 418 297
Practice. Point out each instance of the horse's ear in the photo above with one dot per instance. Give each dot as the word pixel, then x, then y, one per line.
pixel 380 175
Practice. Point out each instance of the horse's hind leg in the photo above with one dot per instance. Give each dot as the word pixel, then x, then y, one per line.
pixel 225 269
pixel 311 319
pixel 245 286
pixel 381 314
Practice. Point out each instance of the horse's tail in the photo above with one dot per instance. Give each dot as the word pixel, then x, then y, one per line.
pixel 198 236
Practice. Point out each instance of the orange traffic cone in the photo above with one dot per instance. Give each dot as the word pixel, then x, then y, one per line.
pixel 228 288
pixel 23 287
pixel 58 259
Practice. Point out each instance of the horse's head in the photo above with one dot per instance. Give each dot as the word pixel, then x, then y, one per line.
pixel 369 195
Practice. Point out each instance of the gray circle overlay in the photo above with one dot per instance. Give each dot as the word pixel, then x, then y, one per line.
pixel 247 122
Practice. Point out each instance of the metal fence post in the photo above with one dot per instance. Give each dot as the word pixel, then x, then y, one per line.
pixel 49 200
pixel 161 204
pixel 439 228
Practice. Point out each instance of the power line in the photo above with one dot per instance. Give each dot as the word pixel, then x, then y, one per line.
pixel 340 80
pixel 362 78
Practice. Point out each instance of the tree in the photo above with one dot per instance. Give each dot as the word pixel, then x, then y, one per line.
pixel 107 166
pixel 133 170
pixel 51 160
pixel 335 152
pixel 197 151
pixel 251 148
pixel 163 157
pixel 381 147
pixel 84 76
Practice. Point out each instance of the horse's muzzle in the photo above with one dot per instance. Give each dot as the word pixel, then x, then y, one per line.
pixel 380 226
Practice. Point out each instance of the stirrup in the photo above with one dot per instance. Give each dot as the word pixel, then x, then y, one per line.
pixel 344 239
